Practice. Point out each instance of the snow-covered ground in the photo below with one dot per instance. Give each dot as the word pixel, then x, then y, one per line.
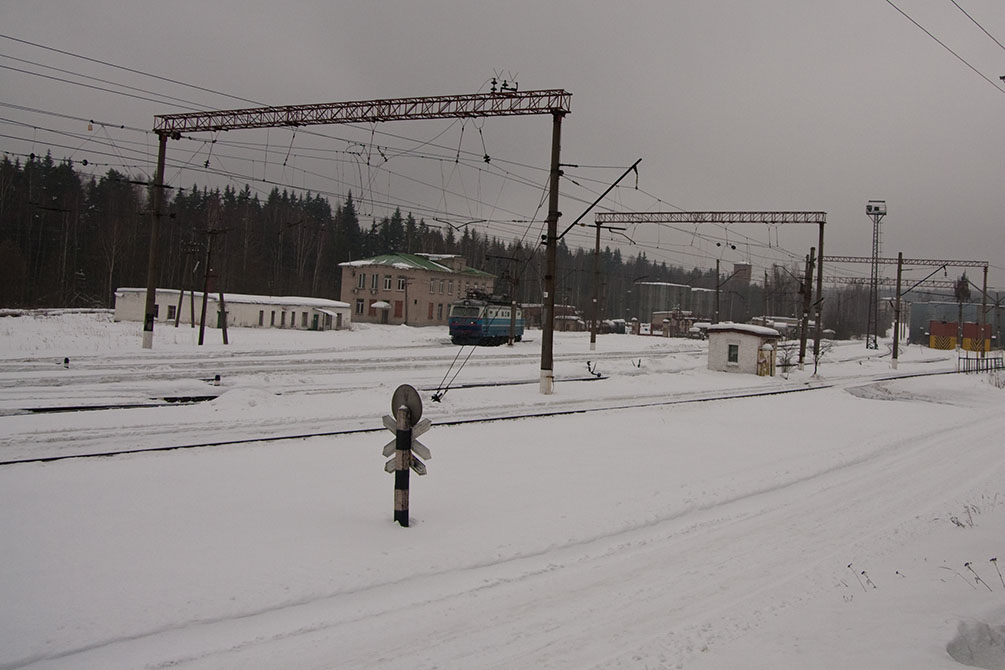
pixel 841 525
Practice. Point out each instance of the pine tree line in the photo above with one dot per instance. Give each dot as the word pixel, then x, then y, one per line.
pixel 69 240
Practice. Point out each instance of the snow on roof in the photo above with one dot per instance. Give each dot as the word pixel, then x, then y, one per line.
pixel 744 328
pixel 242 298
pixel 415 262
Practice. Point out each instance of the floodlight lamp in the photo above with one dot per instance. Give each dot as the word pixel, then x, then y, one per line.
pixel 875 208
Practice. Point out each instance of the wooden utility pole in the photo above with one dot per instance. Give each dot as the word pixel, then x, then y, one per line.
pixel 717 286
pixel 205 288
pixel 807 291
pixel 157 197
pixel 896 311
pixel 818 332
pixel 984 313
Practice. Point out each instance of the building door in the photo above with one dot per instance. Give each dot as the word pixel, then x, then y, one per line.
pixel 314 325
pixel 383 315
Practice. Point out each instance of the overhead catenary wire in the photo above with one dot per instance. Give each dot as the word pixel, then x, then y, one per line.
pixel 977 23
pixel 460 156
pixel 946 47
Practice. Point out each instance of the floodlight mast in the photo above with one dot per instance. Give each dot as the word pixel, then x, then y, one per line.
pixel 502 103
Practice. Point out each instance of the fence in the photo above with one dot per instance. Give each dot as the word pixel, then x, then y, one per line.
pixel 980 363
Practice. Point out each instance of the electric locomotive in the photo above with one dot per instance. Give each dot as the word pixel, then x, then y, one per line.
pixel 485 320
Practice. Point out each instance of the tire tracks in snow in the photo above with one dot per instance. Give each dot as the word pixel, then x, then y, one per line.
pixel 724 565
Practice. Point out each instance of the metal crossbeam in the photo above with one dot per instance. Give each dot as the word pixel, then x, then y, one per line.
pixel 711 217
pixel 508 103
pixel 928 262
pixel 887 281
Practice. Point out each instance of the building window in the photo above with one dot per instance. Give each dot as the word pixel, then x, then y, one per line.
pixel 439 312
pixel 303 320
pixel 157 310
pixel 361 280
pixel 450 287
pixel 734 354
pixel 442 283
pixel 374 281
pixel 387 282
pixel 432 286
pixel 272 319
pixel 282 319
pixel 261 317
pixel 171 312
pixel 359 306
pixel 401 283
pixel 430 311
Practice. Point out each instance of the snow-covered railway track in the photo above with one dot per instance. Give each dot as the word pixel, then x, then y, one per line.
pixel 577 407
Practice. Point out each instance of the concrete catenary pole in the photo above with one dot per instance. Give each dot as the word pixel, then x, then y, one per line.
pixel 551 244
pixel 157 197
pixel 896 312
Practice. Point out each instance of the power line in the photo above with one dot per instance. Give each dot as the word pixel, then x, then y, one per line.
pixel 977 24
pixel 129 69
pixel 946 47
pixel 103 81
pixel 77 83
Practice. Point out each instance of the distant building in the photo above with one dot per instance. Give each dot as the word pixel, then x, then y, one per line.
pixel 567 317
pixel 703 302
pixel 412 289
pixel 741 274
pixel 675 323
pixel 739 347
pixel 245 311
pixel 654 296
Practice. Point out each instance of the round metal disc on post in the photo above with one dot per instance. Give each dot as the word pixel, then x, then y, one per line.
pixel 406 395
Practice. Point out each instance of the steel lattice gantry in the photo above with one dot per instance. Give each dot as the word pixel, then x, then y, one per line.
pixel 507 103
pixel 711 217
pixel 927 262
pixel 503 103
pixel 775 217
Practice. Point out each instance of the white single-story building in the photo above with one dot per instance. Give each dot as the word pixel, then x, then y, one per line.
pixel 247 311
pixel 739 347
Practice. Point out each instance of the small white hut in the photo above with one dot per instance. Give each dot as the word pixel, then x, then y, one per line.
pixel 740 347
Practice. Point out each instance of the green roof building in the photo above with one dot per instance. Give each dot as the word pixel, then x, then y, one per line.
pixel 412 289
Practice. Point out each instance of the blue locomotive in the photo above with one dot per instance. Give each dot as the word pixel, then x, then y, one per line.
pixel 484 319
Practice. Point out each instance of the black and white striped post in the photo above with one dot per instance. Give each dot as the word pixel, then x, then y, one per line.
pixel 405 424
pixel 402 462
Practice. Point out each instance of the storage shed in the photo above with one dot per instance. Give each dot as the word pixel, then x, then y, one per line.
pixel 248 311
pixel 739 347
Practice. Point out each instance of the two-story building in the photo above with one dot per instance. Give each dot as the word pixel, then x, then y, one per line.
pixel 412 289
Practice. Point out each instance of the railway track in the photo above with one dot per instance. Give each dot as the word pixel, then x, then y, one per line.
pixel 457 422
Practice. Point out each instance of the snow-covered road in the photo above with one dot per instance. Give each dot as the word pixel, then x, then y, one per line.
pixel 734 533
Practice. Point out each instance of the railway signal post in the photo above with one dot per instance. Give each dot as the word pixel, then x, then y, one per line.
pixel 406 426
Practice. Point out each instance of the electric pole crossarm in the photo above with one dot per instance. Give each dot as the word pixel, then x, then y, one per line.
pixel 507 103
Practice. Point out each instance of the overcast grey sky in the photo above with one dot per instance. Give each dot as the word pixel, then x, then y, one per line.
pixel 731 105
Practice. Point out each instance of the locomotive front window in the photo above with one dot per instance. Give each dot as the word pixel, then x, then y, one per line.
pixel 461 310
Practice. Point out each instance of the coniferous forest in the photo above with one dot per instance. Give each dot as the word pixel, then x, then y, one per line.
pixel 70 240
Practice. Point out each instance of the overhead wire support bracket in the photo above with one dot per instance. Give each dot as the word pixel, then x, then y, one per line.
pixel 633 168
